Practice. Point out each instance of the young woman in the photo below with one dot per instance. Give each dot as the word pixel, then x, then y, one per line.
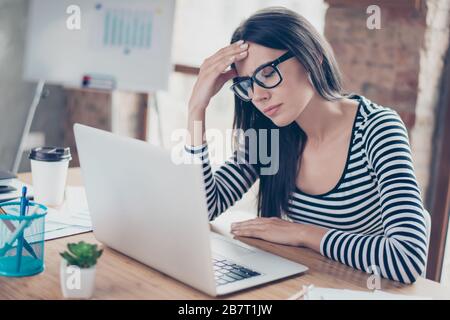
pixel 345 186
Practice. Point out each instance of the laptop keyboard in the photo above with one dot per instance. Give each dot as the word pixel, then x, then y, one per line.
pixel 226 271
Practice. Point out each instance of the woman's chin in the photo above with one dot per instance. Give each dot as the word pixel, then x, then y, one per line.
pixel 280 121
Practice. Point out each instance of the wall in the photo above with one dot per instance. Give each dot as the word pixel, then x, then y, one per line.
pixel 432 56
pixel 16 95
pixel 398 65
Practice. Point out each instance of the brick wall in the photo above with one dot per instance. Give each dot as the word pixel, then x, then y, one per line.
pixel 433 52
pixel 398 65
pixel 381 64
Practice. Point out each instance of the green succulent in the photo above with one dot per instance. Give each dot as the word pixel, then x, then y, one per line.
pixel 82 254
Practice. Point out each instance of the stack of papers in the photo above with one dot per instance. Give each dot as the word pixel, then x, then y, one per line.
pixel 222 224
pixel 344 294
pixel 72 218
pixel 16 184
pixel 6 178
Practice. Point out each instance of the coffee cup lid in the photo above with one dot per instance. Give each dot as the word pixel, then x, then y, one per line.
pixel 51 154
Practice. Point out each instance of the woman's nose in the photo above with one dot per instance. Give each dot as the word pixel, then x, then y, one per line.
pixel 260 94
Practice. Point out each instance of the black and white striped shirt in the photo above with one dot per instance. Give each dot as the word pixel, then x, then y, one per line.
pixel 374 214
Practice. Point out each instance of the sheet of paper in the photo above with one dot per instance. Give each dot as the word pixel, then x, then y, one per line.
pixel 71 218
pixel 76 200
pixel 222 224
pixel 16 194
pixel 74 211
pixel 344 294
pixel 55 232
pixel 66 217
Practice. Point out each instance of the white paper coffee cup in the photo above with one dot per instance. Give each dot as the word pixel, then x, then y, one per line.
pixel 49 172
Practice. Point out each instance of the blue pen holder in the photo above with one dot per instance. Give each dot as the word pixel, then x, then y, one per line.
pixel 22 239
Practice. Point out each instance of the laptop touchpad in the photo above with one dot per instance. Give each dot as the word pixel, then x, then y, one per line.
pixel 223 247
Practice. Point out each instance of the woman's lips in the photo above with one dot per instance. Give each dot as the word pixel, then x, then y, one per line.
pixel 270 111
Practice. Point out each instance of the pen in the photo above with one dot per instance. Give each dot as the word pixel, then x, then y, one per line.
pixel 23 208
pixel 301 293
pixel 12 228
pixel 13 237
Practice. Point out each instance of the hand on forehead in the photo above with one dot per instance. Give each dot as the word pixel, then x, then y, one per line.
pixel 257 56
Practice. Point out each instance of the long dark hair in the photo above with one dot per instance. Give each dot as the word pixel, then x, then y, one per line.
pixel 283 29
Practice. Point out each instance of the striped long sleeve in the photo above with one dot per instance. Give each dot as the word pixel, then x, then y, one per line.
pixel 227 184
pixel 400 252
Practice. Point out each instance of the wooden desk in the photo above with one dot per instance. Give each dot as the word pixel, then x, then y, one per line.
pixel 119 277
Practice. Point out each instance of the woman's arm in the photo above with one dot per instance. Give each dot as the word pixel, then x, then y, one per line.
pixel 196 127
pixel 227 184
pixel 400 253
pixel 281 231
pixel 232 180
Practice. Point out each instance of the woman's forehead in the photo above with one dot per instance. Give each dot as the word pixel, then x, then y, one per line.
pixel 257 55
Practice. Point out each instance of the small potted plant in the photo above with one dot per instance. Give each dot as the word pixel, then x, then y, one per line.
pixel 77 270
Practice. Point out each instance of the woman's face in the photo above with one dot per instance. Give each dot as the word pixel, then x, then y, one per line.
pixel 292 95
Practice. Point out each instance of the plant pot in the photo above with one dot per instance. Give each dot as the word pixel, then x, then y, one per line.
pixel 76 283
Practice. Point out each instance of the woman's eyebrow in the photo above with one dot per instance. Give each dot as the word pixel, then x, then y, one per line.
pixel 262 64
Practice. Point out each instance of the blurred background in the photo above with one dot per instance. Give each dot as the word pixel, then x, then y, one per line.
pixel 404 63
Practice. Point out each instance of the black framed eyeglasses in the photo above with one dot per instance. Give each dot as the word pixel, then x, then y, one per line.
pixel 267 76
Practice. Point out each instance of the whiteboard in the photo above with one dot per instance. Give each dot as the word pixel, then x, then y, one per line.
pixel 128 40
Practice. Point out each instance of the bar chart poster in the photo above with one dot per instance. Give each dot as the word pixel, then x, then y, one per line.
pixel 129 41
pixel 127 29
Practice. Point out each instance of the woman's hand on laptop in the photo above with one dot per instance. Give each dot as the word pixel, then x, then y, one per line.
pixel 280 231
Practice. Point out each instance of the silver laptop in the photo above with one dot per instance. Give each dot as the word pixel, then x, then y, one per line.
pixel 153 210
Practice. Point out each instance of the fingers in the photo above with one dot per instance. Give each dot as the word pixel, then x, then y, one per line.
pixel 246 233
pixel 230 61
pixel 225 62
pixel 222 67
pixel 232 50
pixel 254 231
pixel 227 75
pixel 219 62
pixel 249 225
pixel 256 221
